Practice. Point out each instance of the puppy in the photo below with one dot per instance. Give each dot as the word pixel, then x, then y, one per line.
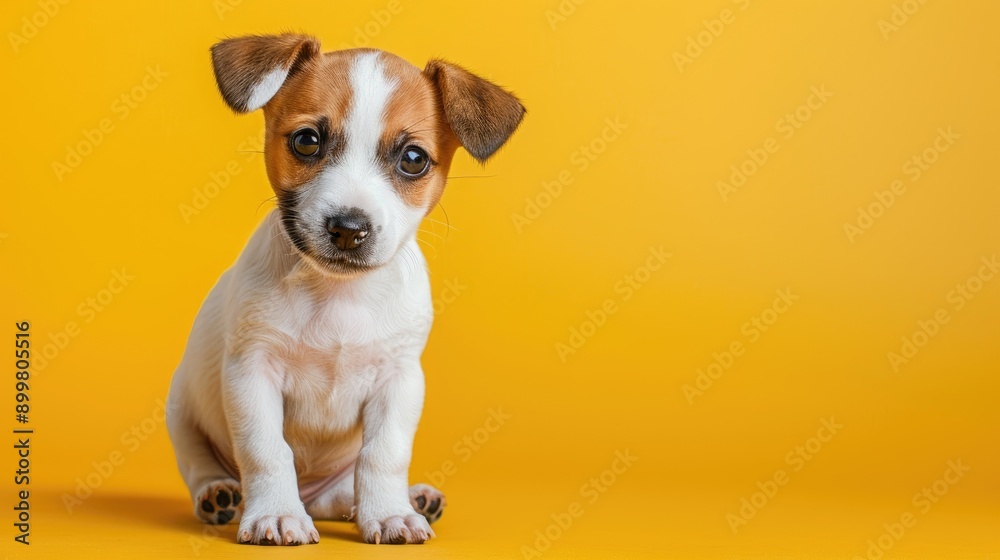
pixel 300 388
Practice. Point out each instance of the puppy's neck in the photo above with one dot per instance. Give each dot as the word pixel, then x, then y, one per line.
pixel 391 276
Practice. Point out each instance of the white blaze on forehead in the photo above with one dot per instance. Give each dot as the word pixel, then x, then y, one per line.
pixel 371 90
pixel 358 179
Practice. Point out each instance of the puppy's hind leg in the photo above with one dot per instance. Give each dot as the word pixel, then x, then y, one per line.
pixel 427 501
pixel 215 493
pixel 337 502
pixel 218 502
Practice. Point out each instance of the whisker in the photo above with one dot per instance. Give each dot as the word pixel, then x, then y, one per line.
pixel 407 128
pixel 429 245
pixel 438 235
pixel 447 225
pixel 265 201
pixel 447 219
pixel 433 225
pixel 277 232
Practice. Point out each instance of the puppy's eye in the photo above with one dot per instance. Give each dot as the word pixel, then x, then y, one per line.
pixel 413 162
pixel 305 142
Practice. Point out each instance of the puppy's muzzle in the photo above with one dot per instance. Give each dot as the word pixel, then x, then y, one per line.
pixel 349 230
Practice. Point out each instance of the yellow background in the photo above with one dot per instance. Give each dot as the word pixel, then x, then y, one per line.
pixel 521 290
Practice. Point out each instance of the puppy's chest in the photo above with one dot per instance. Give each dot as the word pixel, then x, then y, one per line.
pixel 332 359
pixel 325 388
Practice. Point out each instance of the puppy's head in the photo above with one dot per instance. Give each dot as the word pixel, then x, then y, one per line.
pixel 358 142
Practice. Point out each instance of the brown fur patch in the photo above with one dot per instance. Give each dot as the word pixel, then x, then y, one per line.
pixel 414 112
pixel 241 63
pixel 481 114
pixel 321 90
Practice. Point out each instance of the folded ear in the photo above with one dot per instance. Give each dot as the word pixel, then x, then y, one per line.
pixel 251 69
pixel 482 115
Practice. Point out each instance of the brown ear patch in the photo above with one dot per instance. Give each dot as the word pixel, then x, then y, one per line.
pixel 243 66
pixel 481 114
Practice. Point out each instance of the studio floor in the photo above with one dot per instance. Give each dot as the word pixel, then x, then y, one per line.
pixel 629 521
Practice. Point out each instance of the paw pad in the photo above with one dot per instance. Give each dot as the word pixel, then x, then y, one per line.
pixel 427 501
pixel 219 502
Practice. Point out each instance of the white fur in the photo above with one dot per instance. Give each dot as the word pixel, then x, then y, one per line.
pixel 265 89
pixel 356 181
pixel 364 123
pixel 302 380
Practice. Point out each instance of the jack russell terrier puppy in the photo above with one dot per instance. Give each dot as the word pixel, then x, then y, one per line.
pixel 300 388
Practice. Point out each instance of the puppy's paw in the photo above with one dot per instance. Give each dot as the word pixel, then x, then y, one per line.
pixel 219 502
pixel 428 501
pixel 291 529
pixel 408 528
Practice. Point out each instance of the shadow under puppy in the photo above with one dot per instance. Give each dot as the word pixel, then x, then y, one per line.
pixel 300 388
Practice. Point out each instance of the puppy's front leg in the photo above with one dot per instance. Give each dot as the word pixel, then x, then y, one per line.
pixel 381 490
pixel 273 514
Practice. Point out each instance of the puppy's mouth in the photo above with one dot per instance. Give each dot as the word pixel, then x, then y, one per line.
pixel 341 266
pixel 327 259
pixel 337 247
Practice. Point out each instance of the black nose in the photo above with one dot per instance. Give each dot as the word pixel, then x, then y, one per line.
pixel 348 230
